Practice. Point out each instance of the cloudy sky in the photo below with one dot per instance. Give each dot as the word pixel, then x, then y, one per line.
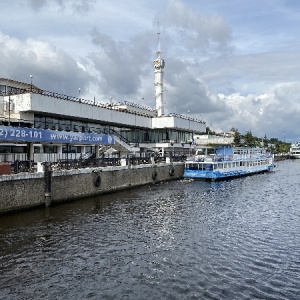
pixel 232 63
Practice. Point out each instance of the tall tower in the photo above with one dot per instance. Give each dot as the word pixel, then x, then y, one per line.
pixel 159 65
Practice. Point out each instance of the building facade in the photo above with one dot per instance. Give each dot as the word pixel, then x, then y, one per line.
pixel 130 128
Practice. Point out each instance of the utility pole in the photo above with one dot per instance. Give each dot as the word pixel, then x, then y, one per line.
pixel 9 110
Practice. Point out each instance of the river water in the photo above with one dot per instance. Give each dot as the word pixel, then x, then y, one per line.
pixel 237 239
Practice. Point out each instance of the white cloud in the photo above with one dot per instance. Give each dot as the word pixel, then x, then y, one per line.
pixel 236 49
pixel 276 112
pixel 52 69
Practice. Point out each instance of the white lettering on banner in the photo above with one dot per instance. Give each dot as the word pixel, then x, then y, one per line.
pixel 80 138
pixel 8 133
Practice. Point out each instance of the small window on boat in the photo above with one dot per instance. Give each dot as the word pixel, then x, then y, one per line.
pixel 193 166
pixel 208 167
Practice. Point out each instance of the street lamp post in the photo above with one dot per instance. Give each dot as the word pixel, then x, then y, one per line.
pixel 31 82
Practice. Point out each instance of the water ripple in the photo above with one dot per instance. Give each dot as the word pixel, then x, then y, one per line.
pixel 235 239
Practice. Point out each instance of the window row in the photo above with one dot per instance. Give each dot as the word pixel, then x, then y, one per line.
pixel 131 135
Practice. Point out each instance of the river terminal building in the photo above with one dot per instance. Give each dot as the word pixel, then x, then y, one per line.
pixel 46 126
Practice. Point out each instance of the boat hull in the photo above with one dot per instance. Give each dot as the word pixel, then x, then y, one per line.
pixel 217 175
pixel 294 156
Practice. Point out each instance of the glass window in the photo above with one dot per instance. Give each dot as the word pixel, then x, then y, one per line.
pixel 5 149
pixel 89 149
pixel 68 125
pixel 37 149
pixel 2 88
pixel 39 122
pixel 71 149
pixel 50 149
pixel 19 149
pixel 50 123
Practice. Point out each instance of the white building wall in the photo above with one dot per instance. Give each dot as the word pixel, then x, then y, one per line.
pixel 26 104
pixel 178 122
pixel 18 103
pixel 41 103
pixel 22 102
pixel 2 105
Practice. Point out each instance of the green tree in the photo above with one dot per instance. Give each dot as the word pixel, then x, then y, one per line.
pixel 237 137
pixel 249 139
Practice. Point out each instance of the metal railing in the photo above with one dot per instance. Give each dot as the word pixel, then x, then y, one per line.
pixel 18 166
pixel 68 164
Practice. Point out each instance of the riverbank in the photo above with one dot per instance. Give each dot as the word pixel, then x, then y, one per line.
pixel 281 157
pixel 27 190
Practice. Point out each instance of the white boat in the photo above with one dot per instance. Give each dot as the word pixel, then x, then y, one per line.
pixel 295 150
pixel 228 162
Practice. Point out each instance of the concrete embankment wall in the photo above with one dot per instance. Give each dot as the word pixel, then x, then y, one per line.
pixel 25 190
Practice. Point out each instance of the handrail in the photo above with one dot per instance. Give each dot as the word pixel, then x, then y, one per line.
pixel 123 139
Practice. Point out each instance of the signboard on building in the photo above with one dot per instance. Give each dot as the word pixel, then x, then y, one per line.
pixel 11 134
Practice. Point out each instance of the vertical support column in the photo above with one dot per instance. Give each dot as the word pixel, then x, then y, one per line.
pixel 129 161
pixel 82 150
pixel 59 151
pixel 31 151
pixel 47 178
pixel 152 159
pixel 97 147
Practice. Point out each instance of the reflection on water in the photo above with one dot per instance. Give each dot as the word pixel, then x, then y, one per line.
pixel 237 239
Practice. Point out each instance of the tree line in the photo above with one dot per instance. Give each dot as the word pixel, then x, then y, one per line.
pixel 249 140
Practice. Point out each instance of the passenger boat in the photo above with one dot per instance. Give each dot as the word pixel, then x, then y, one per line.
pixel 228 162
pixel 295 150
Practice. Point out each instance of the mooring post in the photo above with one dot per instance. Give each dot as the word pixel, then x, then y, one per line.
pixel 47 177
pixel 129 162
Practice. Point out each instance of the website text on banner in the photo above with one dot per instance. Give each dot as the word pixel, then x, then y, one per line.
pixel 8 133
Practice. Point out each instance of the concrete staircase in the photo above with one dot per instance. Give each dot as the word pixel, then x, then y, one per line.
pixel 123 146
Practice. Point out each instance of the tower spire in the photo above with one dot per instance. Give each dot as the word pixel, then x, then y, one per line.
pixel 158 53
pixel 159 65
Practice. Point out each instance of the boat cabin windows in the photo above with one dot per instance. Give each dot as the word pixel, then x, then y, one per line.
pixel 192 166
pixel 201 166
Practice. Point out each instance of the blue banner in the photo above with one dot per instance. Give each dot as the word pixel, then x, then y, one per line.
pixel 8 133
